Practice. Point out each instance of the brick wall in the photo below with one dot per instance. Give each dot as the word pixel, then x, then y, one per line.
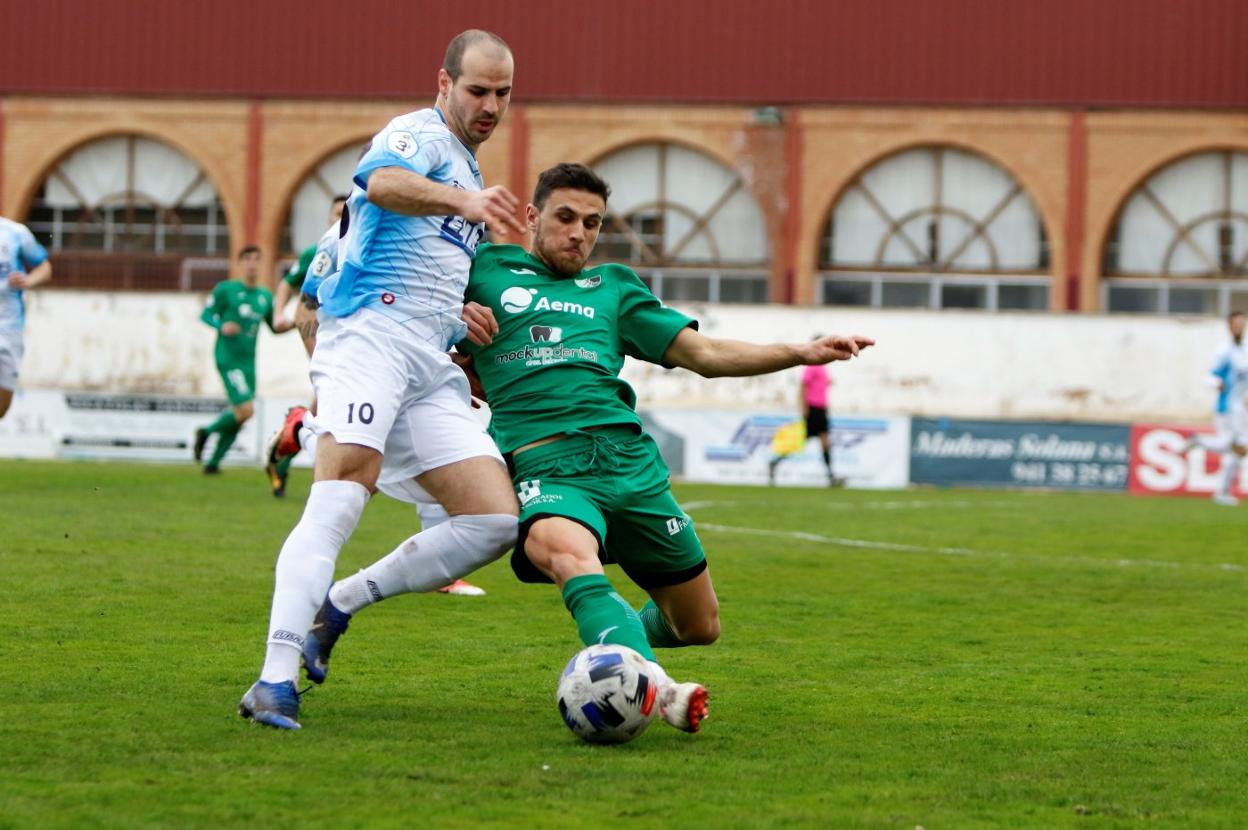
pixel 795 182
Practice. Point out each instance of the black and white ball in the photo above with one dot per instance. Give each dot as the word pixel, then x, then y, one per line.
pixel 606 694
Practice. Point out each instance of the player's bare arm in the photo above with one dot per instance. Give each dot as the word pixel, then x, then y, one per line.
pixel 281 298
pixel 21 280
pixel 715 357
pixel 402 191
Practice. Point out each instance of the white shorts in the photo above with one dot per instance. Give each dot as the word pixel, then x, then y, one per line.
pixel 1232 429
pixel 377 386
pixel 11 348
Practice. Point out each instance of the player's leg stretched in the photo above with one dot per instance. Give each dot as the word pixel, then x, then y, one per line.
pixel 567 552
pixel 345 476
pixel 479 528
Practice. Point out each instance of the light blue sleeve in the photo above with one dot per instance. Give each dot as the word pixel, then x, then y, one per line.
pixel 33 254
pixel 426 154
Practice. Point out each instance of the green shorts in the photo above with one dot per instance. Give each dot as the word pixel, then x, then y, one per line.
pixel 239 380
pixel 614 482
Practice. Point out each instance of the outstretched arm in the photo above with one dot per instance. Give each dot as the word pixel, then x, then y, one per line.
pixel 713 357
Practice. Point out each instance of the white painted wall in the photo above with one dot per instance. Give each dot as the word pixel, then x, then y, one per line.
pixel 968 364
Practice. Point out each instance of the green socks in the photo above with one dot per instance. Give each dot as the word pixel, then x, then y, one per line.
pixel 602 615
pixel 658 631
pixel 223 444
pixel 283 466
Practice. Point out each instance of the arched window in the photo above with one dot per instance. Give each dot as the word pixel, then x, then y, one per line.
pixel 309 209
pixel 127 212
pixel 935 227
pixel 1180 244
pixel 686 223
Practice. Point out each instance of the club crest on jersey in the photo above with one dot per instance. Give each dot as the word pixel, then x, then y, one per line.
pixel 387 298
pixel 588 282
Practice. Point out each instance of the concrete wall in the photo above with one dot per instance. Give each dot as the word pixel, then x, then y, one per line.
pixel 1060 366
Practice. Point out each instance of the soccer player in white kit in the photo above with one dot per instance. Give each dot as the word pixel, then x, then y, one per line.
pixel 1229 376
pixel 385 385
pixel 23 264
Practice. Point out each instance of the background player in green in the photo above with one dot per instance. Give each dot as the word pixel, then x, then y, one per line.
pixel 236 309
pixel 592 486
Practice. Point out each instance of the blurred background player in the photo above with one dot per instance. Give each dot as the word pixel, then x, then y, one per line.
pixel 393 411
pixel 304 278
pixel 814 394
pixel 236 309
pixel 592 486
pixel 1229 376
pixel 23 264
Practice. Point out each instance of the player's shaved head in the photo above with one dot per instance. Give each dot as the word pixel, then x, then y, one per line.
pixel 453 63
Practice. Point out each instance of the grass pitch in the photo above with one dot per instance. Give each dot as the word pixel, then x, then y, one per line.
pixel 948 659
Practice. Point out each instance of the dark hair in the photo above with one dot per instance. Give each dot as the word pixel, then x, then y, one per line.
pixel 453 63
pixel 571 177
pixel 248 249
pixel 1233 315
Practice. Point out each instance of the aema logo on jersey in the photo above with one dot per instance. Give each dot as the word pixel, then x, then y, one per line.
pixel 588 282
pixel 516 299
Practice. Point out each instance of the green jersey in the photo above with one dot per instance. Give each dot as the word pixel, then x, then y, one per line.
pixel 298 272
pixel 233 302
pixel 554 365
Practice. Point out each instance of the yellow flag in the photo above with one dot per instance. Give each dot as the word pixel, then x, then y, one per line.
pixel 789 438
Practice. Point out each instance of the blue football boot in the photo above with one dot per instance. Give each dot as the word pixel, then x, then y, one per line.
pixel 329 625
pixel 273 704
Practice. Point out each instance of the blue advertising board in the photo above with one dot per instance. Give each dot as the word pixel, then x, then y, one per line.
pixel 1062 456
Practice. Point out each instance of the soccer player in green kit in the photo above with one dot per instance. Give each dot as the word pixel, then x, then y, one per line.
pixel 236 309
pixel 592 486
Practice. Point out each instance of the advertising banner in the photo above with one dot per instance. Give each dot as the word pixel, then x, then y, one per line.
pixel 725 447
pixel 31 427
pixel 1159 464
pixel 1061 456
pixel 88 425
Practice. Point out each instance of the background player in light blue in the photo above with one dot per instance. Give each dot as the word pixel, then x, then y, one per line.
pixel 385 386
pixel 1229 376
pixel 23 264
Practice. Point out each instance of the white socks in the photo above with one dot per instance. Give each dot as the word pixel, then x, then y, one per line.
pixel 305 570
pixel 307 436
pixel 436 556
pixel 1230 468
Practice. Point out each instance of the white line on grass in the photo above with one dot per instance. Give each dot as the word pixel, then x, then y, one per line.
pixel 916 504
pixel 897 547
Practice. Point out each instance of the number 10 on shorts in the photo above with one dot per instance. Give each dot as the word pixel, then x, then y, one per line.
pixel 364 413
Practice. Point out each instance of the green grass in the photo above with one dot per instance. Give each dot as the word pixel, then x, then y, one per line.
pixel 1004 660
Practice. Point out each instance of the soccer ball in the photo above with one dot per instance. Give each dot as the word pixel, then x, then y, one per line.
pixel 606 694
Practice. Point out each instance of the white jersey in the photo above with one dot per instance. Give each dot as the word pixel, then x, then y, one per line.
pixel 412 269
pixel 18 252
pixel 1230 373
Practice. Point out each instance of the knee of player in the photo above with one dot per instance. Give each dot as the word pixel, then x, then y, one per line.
pixel 700 631
pixel 491 531
pixel 244 411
